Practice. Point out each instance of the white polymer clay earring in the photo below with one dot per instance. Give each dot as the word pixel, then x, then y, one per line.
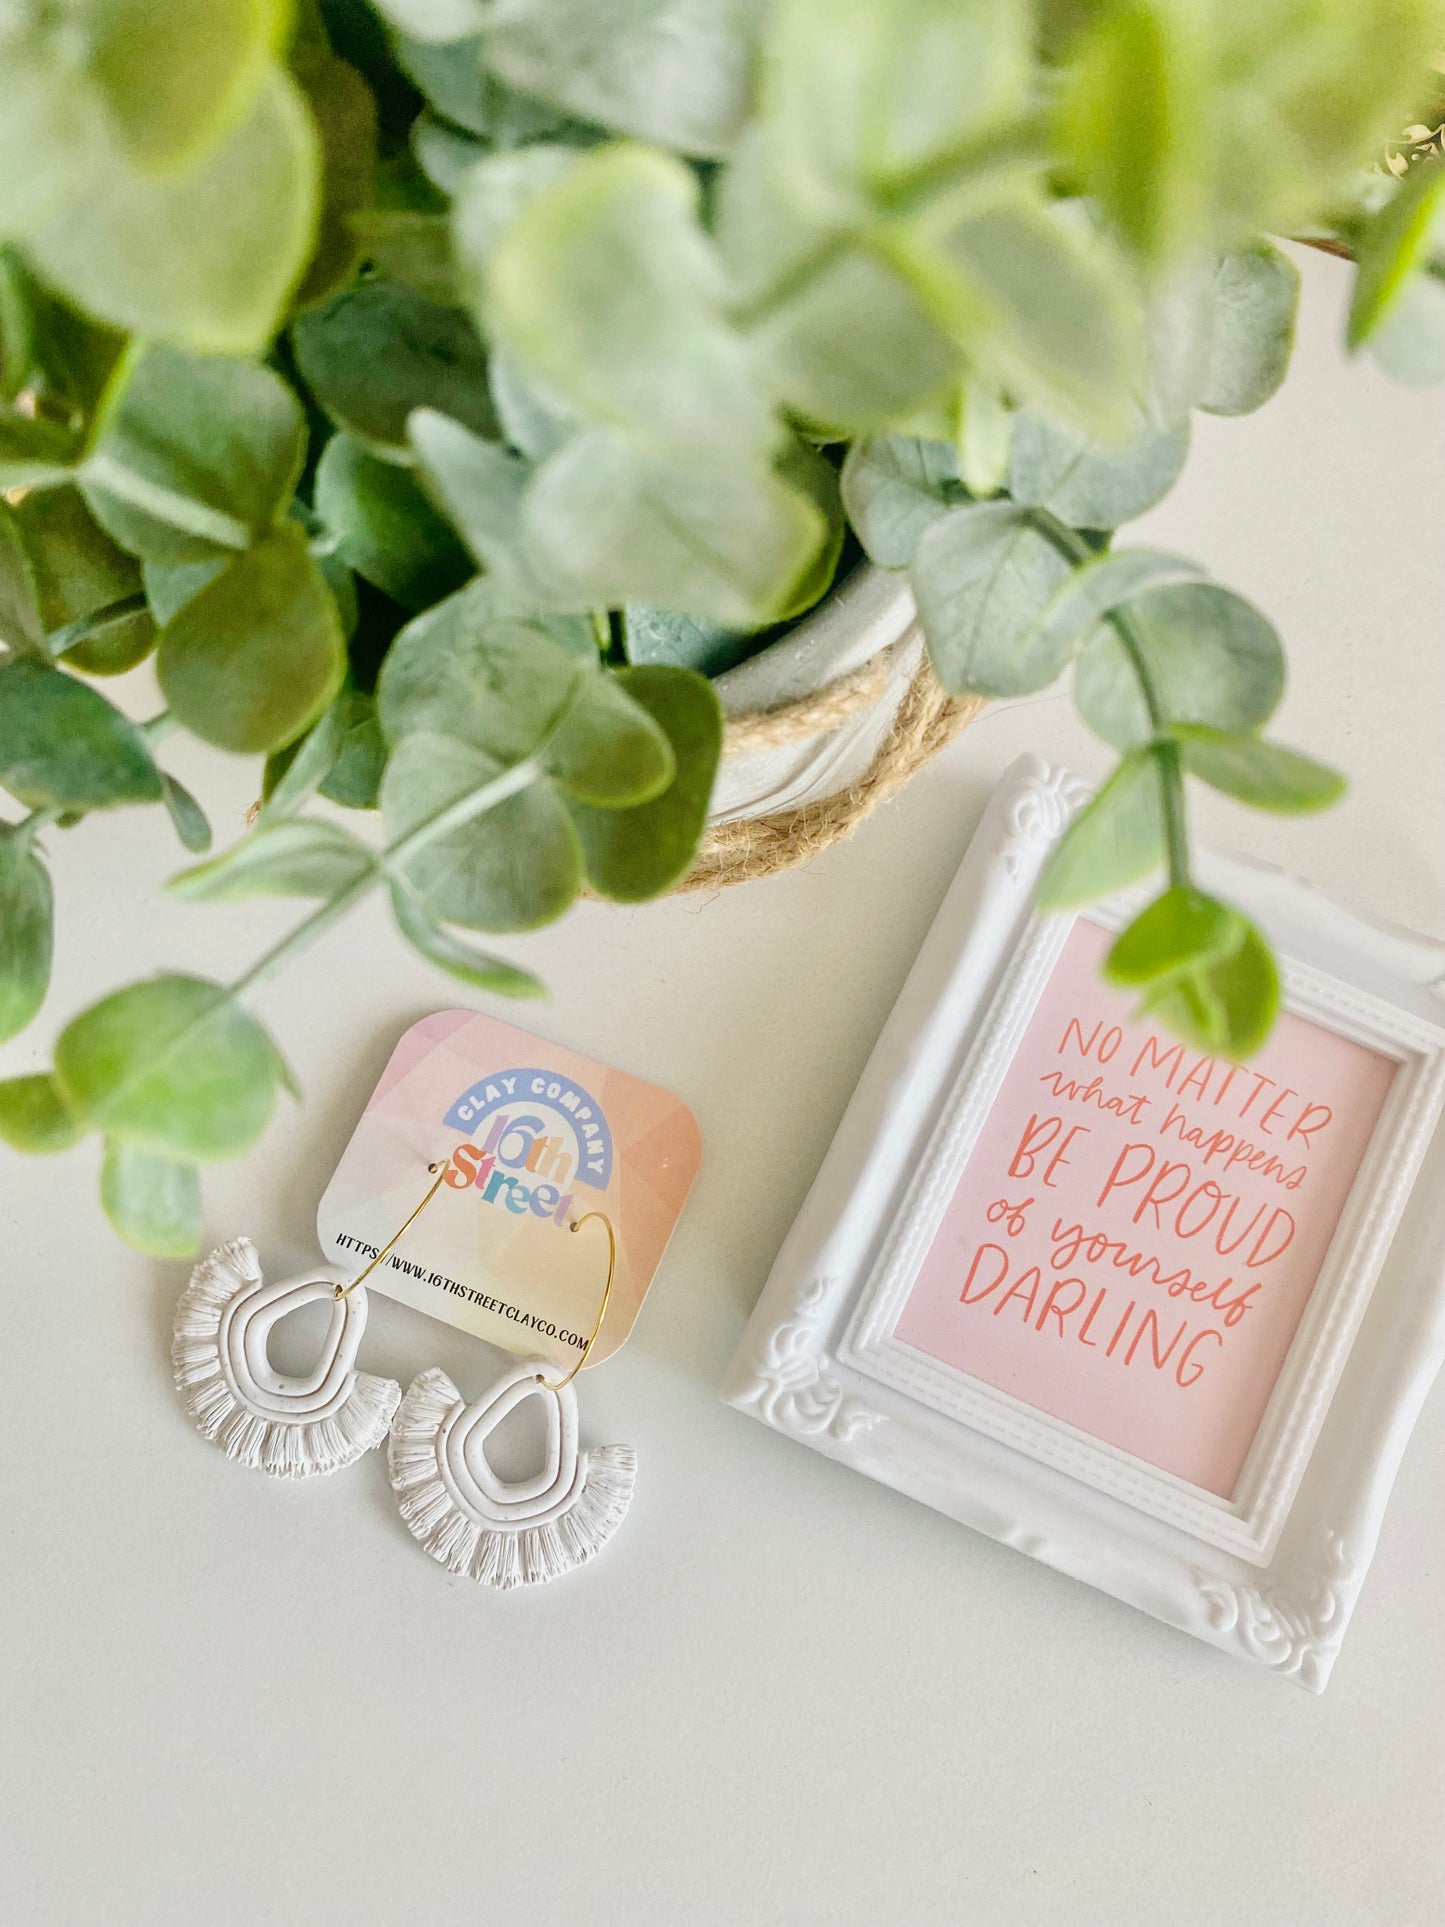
pixel 294 1428
pixel 499 1533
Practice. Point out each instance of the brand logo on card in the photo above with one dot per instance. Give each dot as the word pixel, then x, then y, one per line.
pixel 531 1136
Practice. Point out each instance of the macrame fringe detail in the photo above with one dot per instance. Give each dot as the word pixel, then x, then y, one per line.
pixel 286 1448
pixel 496 1555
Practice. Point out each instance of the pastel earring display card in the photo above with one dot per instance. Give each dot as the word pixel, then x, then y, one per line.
pixel 1160 1320
pixel 537 1136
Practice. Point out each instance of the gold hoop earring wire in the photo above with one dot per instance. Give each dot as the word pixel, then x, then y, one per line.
pixel 441 1168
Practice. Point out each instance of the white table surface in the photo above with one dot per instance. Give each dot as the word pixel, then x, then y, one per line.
pixel 785 1695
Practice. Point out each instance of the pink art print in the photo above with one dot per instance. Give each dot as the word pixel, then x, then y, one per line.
pixel 1138 1229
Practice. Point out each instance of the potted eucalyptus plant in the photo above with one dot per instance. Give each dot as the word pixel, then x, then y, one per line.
pixel 437 399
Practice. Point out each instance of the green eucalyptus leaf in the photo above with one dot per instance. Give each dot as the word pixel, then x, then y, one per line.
pixel 445 154
pixel 108 643
pixel 633 854
pixel 293 857
pixel 513 867
pixel 374 353
pixel 982 578
pixel 186 814
pixel 534 417
pixel 607 522
pixel 1039 304
pixel 451 76
pixel 457 670
pixel 77 567
pixel 176 78
pixel 35 453
pixel 1182 311
pixel 344 110
pixel 410 245
pixel 386 528
pixel 1114 841
pixel 608 750
pixel 835 329
pixel 169 586
pixel 677 72
pixel 453 954
pixel 286 1078
pixel 153 1202
pixel 1409 344
pixel 52 130
pixel 491 195
pixel 340 581
pixel 76 356
pixel 664 637
pixel 813 475
pixel 294 774
pixel 1131 125
pixel 435 20
pixel 63 746
pixel 1265 775
pixel 480 485
pixel 1256 300
pixel 21 626
pixel 34 1116
pixel 864 93
pixel 205 257
pixel 1226 1005
pixel 17 326
pixel 894 488
pixel 463 91
pixel 171 1064
pixel 508 689
pixel 1210 656
pixel 27 920
pixel 1108 581
pixel 197 455
pixel 256 656
pixel 1021 655
pixel 984 438
pixel 354 778
pixel 608 286
pixel 87 585
pixel 1178 930
pixel 1091 484
pixel 1309 96
pixel 1396 243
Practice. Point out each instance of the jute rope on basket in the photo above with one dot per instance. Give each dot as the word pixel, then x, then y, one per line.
pixel 761 846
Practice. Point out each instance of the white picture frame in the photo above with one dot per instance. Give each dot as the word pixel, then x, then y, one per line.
pixel 1271 1574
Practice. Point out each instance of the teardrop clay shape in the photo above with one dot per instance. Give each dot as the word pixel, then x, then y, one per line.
pixel 294 1428
pixel 504 1533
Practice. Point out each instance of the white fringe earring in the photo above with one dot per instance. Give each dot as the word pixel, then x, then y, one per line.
pixel 500 1533
pixel 293 1428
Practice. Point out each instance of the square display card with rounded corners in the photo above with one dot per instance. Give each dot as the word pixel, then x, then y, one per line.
pixel 536 1137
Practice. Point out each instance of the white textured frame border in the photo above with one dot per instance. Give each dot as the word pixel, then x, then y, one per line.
pixel 1273 1577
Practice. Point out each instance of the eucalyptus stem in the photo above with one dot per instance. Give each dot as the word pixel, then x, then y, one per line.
pixel 450 817
pixel 973 160
pixel 29 827
pixel 84 627
pixel 793 280
pixel 1164 749
pixel 1171 798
